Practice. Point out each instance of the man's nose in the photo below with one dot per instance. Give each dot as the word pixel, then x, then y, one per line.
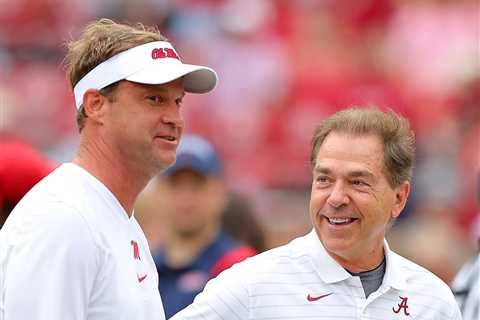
pixel 173 116
pixel 338 196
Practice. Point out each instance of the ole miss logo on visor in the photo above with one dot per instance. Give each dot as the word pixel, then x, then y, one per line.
pixel 160 53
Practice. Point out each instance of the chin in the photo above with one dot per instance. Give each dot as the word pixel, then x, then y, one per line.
pixel 188 232
pixel 337 245
pixel 164 162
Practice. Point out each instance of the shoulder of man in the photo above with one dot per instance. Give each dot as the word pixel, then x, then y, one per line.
pixel 230 294
pixel 61 185
pixel 429 287
pixel 244 260
pixel 235 255
pixel 50 248
pixel 46 221
pixel 414 272
pixel 51 211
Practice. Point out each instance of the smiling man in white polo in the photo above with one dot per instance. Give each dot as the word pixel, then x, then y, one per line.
pixel 72 248
pixel 343 269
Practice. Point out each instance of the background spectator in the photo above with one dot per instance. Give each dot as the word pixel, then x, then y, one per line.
pixel 21 167
pixel 191 197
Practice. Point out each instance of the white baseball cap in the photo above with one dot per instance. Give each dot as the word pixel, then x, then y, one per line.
pixel 151 63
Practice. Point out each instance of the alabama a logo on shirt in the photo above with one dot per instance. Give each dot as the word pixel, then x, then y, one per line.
pixel 402 306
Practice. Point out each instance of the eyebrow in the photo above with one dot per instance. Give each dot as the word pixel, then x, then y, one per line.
pixel 181 96
pixel 152 88
pixel 352 174
pixel 322 170
pixel 361 174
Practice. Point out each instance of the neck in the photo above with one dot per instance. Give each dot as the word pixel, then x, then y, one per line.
pixel 123 181
pixel 181 250
pixel 365 262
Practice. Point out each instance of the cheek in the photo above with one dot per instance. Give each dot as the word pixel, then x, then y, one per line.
pixel 386 204
pixel 317 201
pixel 313 201
pixel 181 123
pixel 377 213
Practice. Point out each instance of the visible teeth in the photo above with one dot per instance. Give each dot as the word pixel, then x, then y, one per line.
pixel 339 220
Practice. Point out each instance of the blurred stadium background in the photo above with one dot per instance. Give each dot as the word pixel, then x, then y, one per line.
pixel 283 66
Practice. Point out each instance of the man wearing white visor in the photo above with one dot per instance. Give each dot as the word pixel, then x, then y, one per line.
pixel 72 248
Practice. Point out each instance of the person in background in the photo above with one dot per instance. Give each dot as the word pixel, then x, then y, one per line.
pixel 72 248
pixel 21 167
pixel 362 161
pixel 239 213
pixel 193 197
pixel 466 287
pixel 466 284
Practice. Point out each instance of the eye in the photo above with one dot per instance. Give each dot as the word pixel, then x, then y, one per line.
pixel 322 180
pixel 156 99
pixel 179 102
pixel 359 183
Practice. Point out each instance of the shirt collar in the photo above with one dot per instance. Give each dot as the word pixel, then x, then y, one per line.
pixel 330 271
pixel 327 268
pixel 394 276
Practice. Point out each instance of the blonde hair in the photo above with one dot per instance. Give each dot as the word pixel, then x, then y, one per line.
pixel 394 131
pixel 99 41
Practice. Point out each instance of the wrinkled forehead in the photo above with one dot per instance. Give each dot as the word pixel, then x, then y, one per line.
pixel 357 153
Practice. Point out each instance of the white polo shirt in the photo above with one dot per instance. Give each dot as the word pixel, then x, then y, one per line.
pixel 69 251
pixel 466 287
pixel 301 281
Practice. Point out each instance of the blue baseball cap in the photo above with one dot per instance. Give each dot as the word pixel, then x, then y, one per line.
pixel 197 154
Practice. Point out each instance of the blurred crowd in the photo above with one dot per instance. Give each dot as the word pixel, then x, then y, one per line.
pixel 284 65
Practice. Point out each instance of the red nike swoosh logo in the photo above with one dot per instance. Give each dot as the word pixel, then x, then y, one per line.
pixel 140 279
pixel 311 298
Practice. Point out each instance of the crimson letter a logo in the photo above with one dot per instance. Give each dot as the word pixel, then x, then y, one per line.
pixel 402 305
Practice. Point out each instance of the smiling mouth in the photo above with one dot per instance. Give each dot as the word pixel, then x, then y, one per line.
pixel 340 221
pixel 168 138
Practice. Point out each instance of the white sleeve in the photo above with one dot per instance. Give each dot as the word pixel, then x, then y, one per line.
pixel 49 264
pixel 224 297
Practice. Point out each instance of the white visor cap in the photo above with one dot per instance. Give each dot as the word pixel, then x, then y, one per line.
pixel 151 63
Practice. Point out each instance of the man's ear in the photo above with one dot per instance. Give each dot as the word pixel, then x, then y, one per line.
pixel 94 105
pixel 401 195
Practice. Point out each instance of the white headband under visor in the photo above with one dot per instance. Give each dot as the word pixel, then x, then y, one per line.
pixel 151 63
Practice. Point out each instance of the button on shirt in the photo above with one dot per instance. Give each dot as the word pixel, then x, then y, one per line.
pixel 301 281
